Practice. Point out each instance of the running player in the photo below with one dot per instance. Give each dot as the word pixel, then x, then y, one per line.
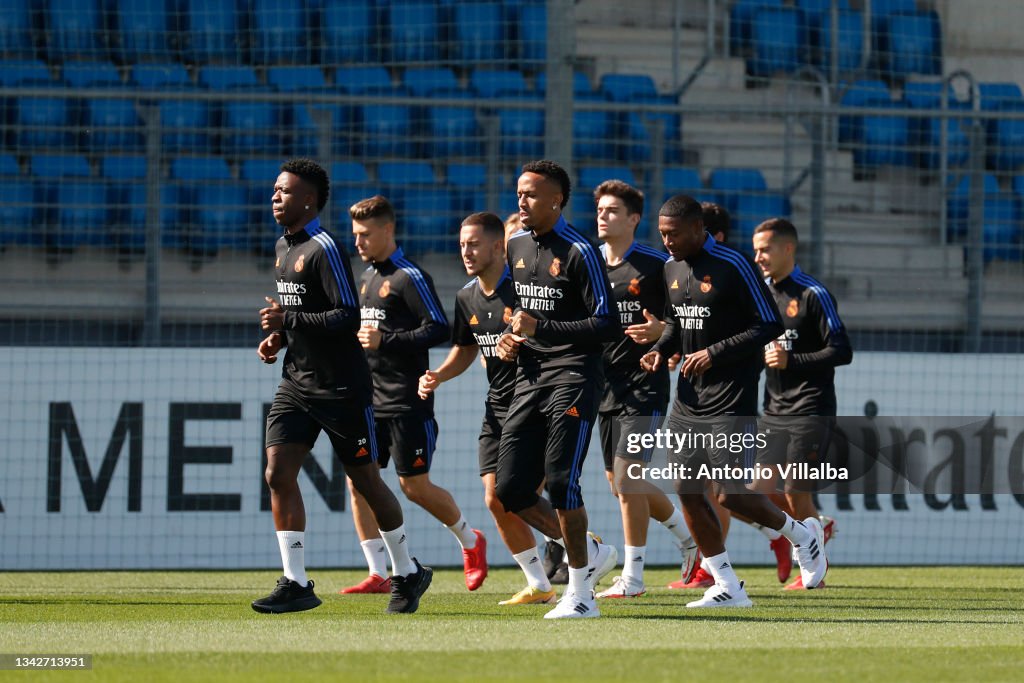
pixel 721 318
pixel 325 386
pixel 483 309
pixel 800 364
pixel 401 319
pixel 634 401
pixel 562 316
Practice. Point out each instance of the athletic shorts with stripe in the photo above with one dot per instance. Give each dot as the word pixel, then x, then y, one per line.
pixel 294 418
pixel 490 436
pixel 409 440
pixel 795 439
pixel 705 445
pixel 545 439
pixel 641 414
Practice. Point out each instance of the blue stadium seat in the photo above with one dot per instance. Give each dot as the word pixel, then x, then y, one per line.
pixel 1017 185
pixel 160 77
pixel 42 121
pixel 751 210
pixel 303 131
pixel 926 131
pixel 228 78
pixel 592 176
pixel 1002 231
pixel 494 83
pixel 452 131
pixel 361 80
pixel 424 81
pixel 296 78
pixel 777 39
pixel 9 165
pixel 91 74
pixel 679 180
pixel 54 166
pixel 200 168
pixel 730 183
pixel 580 83
pixel 112 124
pixel 860 94
pixel 477 34
pixel 142 28
pixel 741 23
pixel 851 42
pixel 348 172
pixel 582 200
pixel 16 29
pixel 186 124
pixel 74 28
pixel 386 131
pixel 224 218
pixel 131 211
pixel 533 35
pixel 1006 139
pixel 522 133
pixel 348 33
pixel 19 211
pixel 414 31
pixel 884 140
pixel 16 72
pixel 468 182
pixel 123 168
pixel 628 87
pixel 428 218
pixel 279 33
pixel 993 95
pixel 881 11
pixel 263 171
pixel 959 203
pixel 912 44
pixel 406 173
pixel 592 130
pixel 212 32
pixel 82 216
pixel 248 126
pixel 635 131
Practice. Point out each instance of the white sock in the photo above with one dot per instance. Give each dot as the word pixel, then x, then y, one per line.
pixel 559 541
pixel 401 563
pixel 293 555
pixel 529 561
pixel 676 524
pixel 795 531
pixel 464 533
pixel 705 565
pixel 376 556
pixel 769 533
pixel 578 582
pixel 633 565
pixel 722 570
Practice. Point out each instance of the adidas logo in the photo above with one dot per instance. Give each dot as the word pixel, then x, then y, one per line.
pixel 297 544
pixel 419 462
pixel 473 320
pixel 675 284
pixel 362 452
pixel 590 572
pixel 402 539
pixel 535 560
pixel 638 558
pixel 572 412
pixel 581 608
pixel 520 264
pixel 725 565
pixel 722 597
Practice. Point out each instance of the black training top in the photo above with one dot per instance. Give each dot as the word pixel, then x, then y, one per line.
pixel 816 340
pixel 480 319
pixel 638 284
pixel 559 280
pixel 398 298
pixel 321 316
pixel 719 303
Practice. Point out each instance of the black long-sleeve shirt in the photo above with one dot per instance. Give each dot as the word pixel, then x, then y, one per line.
pixel 816 341
pixel 716 301
pixel 398 298
pixel 560 280
pixel 321 315
pixel 638 284
pixel 480 319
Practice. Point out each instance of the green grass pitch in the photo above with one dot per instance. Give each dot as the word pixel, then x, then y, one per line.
pixel 898 624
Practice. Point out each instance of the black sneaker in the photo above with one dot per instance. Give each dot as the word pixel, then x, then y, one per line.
pixel 288 596
pixel 561 575
pixel 406 590
pixel 554 555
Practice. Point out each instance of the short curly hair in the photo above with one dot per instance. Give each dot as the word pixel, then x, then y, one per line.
pixel 312 173
pixel 551 171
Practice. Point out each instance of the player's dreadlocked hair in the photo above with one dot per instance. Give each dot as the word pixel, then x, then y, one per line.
pixel 312 173
pixel 551 171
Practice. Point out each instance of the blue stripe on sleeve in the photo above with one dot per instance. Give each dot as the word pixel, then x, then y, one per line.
pixel 768 312
pixel 334 257
pixel 595 268
pixel 831 315
pixel 432 304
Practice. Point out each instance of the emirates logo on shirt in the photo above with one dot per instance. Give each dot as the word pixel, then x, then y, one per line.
pixel 300 264
pixel 385 289
pixel 556 267
pixel 706 285
pixel 634 287
pixel 793 308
